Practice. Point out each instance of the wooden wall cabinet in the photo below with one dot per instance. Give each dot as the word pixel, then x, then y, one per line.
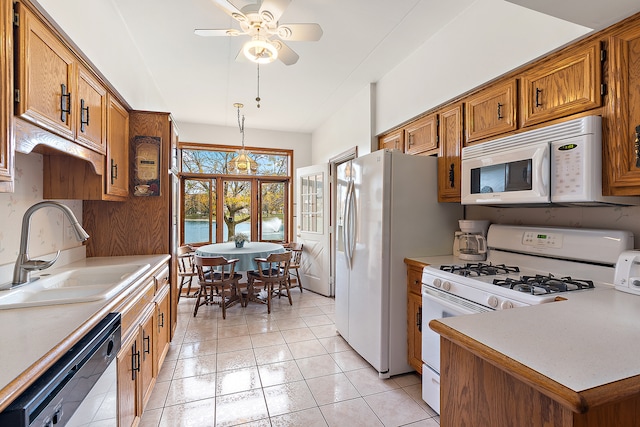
pixel 566 84
pixel 449 161
pixel 421 136
pixel 491 111
pixel 53 90
pixel 392 140
pixel 6 100
pixel 621 174
pixel 117 160
pixel 414 314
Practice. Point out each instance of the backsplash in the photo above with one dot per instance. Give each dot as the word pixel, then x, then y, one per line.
pixel 50 229
pixel 615 218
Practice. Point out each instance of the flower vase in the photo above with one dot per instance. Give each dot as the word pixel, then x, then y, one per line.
pixel 239 244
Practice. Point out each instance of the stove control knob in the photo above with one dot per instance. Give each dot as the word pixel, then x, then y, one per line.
pixel 506 305
pixel 492 301
pixel 446 286
pixel 437 283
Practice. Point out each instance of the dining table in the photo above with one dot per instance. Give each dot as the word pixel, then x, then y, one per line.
pixel 245 255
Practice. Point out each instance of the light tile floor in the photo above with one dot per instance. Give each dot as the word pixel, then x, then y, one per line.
pixel 289 368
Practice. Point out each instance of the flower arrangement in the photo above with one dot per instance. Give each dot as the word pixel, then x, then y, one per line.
pixel 240 239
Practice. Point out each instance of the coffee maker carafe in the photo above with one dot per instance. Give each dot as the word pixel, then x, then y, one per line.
pixel 470 242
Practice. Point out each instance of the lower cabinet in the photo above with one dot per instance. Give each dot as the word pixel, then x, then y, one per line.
pixel 414 314
pixel 146 340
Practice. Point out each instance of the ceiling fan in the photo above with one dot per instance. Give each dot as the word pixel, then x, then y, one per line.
pixel 260 22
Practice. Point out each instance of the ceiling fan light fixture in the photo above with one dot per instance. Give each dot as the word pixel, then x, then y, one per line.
pixel 260 51
pixel 267 16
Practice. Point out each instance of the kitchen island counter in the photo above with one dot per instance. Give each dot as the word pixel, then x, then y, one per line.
pixel 34 338
pixel 581 353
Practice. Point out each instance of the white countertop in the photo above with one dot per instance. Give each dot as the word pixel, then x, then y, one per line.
pixel 28 334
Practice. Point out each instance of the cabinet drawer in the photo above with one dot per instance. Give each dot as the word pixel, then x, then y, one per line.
pixel 135 307
pixel 414 280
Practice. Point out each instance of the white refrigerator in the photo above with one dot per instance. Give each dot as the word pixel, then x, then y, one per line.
pixel 387 209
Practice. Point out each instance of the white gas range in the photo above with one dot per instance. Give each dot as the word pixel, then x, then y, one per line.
pixel 525 266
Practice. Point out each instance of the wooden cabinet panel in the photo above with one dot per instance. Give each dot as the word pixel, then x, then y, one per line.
pixel 128 361
pixel 621 174
pixel 6 99
pixel 491 111
pixel 421 136
pixel 564 85
pixel 46 77
pixel 414 319
pixel 449 166
pixel 147 355
pixel 163 328
pixel 117 173
pixel 91 112
pixel 393 140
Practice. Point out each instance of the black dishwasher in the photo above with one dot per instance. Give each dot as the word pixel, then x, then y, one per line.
pixel 53 398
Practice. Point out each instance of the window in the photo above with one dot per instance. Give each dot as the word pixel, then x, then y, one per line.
pixel 217 204
pixel 311 203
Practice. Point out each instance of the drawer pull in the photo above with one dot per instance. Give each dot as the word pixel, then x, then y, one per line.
pixel 147 340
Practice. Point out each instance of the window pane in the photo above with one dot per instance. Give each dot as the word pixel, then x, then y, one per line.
pixel 272 210
pixel 215 162
pixel 311 203
pixel 197 205
pixel 237 208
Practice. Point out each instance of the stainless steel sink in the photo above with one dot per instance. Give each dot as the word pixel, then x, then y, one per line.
pixel 67 286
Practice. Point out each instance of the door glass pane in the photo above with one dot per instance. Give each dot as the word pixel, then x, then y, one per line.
pixel 198 200
pixel 311 203
pixel 272 210
pixel 236 207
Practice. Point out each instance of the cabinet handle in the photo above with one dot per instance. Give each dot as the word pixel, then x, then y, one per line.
pixel 65 103
pixel 637 146
pixel 410 140
pixel 538 92
pixel 452 176
pixel 135 361
pixel 499 111
pixel 147 341
pixel 419 319
pixel 161 320
pixel 114 171
pixel 84 115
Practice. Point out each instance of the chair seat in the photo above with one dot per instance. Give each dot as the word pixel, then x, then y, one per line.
pixel 267 272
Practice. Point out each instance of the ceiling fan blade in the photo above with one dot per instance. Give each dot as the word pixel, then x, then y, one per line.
pixel 272 10
pixel 285 53
pixel 214 33
pixel 300 32
pixel 230 10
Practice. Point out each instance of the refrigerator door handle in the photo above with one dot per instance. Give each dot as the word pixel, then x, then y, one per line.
pixel 352 222
pixel 345 228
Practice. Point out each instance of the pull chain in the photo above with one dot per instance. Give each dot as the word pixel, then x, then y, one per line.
pixel 258 97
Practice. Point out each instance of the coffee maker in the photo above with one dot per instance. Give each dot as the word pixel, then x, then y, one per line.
pixel 470 243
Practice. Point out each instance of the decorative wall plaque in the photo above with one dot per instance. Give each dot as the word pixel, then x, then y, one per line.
pixel 146 180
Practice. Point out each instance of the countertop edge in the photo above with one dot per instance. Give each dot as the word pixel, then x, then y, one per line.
pixel 12 390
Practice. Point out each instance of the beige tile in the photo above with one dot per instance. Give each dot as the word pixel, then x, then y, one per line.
pixel 289 397
pixel 200 413
pixel 279 373
pixel 174 351
pixel 166 372
pixel 236 360
pixel 204 333
pixel 332 388
pixel 307 349
pixel 406 380
pixel 267 339
pixel 324 331
pixel 190 389
pixel 396 408
pixel 317 320
pixel 200 365
pixel 233 331
pixel 415 391
pixel 228 382
pixel 239 408
pixel 292 322
pixel 349 360
pixel 297 335
pixel 242 342
pixel 366 381
pixel 272 354
pixel 334 344
pixel 198 348
pixel 316 366
pixel 158 395
pixel 262 326
pixel 352 413
pixel 150 418
pixel 309 311
pixel 307 418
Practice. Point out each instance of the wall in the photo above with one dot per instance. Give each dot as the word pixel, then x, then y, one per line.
pixel 50 230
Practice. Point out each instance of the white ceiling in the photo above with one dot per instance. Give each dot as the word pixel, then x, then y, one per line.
pixel 199 80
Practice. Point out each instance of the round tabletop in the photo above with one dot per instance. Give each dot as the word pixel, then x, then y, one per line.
pixel 245 255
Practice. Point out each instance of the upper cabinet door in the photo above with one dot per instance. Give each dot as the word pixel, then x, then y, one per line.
pixel 449 162
pixel 45 77
pixel 422 135
pixel 6 98
pixel 117 167
pixel 91 114
pixel 566 84
pixel 393 140
pixel 491 111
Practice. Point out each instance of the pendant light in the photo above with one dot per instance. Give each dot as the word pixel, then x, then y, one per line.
pixel 242 163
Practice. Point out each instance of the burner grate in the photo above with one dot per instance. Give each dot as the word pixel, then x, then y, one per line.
pixel 541 284
pixel 479 269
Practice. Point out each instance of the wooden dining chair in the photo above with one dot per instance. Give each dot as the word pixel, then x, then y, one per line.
pixel 296 258
pixel 186 269
pixel 272 272
pixel 218 282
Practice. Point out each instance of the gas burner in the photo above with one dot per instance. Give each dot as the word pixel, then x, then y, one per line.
pixel 540 284
pixel 479 269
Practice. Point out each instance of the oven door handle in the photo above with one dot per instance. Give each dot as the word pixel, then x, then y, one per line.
pixel 459 306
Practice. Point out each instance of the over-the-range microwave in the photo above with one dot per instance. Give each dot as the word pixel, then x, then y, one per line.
pixel 558 164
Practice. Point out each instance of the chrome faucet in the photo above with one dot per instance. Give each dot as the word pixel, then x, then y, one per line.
pixel 24 266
